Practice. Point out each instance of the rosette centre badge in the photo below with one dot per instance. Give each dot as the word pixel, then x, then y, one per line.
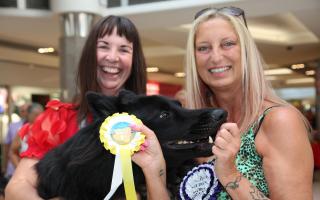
pixel 118 137
pixel 121 133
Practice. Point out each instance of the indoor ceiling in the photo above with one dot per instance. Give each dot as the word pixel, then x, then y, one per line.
pixel 286 31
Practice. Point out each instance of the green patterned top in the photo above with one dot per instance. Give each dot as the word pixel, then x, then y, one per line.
pixel 249 162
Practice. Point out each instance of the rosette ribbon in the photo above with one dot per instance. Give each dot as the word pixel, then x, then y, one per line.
pixel 117 137
pixel 201 182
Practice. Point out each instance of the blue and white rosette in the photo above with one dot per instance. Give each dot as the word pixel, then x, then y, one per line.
pixel 200 183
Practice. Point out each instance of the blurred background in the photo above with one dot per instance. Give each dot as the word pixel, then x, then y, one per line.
pixel 37 44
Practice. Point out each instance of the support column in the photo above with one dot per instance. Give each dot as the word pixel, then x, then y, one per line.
pixel 76 19
pixel 76 27
pixel 317 87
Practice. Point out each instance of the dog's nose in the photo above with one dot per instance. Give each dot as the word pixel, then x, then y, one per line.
pixel 219 114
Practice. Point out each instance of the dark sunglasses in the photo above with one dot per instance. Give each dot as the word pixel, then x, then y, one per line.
pixel 234 11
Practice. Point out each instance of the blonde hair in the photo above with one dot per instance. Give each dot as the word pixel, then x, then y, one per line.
pixel 255 88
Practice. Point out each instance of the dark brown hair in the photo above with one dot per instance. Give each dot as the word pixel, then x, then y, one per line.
pixel 87 68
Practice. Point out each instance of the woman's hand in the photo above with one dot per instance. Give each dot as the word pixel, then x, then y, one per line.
pixel 150 157
pixel 225 148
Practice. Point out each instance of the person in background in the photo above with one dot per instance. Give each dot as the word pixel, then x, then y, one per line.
pixel 19 143
pixel 12 132
pixel 3 184
pixel 111 60
pixel 181 97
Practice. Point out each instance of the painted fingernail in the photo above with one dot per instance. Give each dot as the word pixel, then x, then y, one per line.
pixel 146 143
pixel 142 148
pixel 134 126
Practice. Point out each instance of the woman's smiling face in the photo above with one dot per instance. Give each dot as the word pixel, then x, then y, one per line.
pixel 218 54
pixel 114 58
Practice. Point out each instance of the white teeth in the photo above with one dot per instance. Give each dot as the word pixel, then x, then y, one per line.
pixel 210 140
pixel 219 70
pixel 184 142
pixel 111 70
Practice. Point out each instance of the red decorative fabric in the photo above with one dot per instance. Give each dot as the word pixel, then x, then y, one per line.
pixel 316 154
pixel 51 128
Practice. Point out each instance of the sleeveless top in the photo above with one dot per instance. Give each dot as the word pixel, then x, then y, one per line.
pixel 248 161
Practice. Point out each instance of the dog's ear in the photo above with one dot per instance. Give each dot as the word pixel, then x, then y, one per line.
pixel 100 105
pixel 127 97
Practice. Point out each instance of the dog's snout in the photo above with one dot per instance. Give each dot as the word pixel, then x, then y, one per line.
pixel 219 114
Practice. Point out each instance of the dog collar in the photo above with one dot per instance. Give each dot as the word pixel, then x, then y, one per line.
pixel 117 136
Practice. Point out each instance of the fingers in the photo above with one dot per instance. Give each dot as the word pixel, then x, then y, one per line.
pixel 143 129
pixel 220 142
pixel 151 139
pixel 224 134
pixel 144 146
pixel 227 139
pixel 231 128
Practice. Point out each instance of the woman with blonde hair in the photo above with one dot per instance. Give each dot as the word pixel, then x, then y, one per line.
pixel 262 151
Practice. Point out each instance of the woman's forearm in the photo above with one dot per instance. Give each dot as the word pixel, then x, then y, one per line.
pixel 22 185
pixel 21 189
pixel 156 185
pixel 238 187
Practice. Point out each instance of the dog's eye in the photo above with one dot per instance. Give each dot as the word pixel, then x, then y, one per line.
pixel 164 114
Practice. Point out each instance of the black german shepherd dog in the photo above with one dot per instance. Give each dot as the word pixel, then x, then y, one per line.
pixel 81 168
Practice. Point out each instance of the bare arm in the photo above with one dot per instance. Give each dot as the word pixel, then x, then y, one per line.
pixel 227 145
pixel 153 166
pixel 6 157
pixel 156 184
pixel 287 155
pixel 239 187
pixel 14 150
pixel 23 182
pixel 287 158
pixel 7 145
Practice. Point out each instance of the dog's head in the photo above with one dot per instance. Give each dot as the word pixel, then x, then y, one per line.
pixel 183 133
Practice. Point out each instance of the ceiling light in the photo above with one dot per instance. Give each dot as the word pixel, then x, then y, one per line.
pixel 271 78
pixel 297 66
pixel 270 34
pixel 186 27
pixel 152 69
pixel 180 74
pixel 300 80
pixel 46 50
pixel 310 72
pixel 280 71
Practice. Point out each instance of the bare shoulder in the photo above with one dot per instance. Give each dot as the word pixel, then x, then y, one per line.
pixel 284 146
pixel 283 119
pixel 283 127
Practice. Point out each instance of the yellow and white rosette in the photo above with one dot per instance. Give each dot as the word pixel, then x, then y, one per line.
pixel 117 136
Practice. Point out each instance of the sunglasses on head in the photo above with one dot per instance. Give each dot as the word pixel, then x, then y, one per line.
pixel 234 11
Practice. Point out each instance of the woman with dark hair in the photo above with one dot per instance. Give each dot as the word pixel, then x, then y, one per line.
pixel 89 78
pixel 111 60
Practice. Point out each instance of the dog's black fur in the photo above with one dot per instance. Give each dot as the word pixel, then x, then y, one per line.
pixel 82 169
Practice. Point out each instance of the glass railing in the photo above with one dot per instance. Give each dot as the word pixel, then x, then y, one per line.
pixel 38 4
pixel 8 3
pixel 26 4
pixel 118 3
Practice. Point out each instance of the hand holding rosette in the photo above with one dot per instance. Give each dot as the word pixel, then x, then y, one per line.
pixel 117 136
